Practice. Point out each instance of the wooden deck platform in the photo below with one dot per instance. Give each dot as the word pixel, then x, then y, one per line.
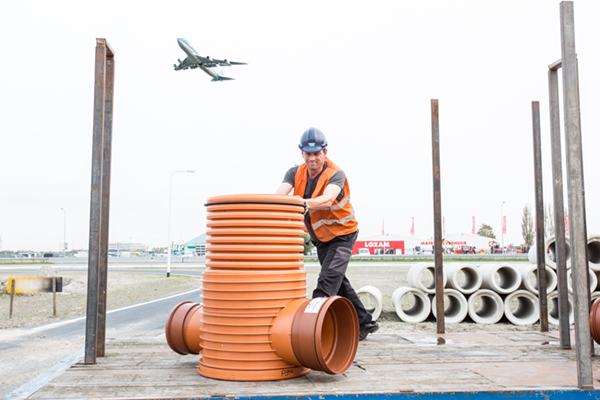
pixel 413 366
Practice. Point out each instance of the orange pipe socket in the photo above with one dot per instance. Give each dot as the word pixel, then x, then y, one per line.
pixel 595 321
pixel 184 328
pixel 255 322
pixel 320 333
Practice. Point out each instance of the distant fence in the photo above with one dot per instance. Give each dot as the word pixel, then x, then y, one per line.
pixel 23 260
pixel 429 257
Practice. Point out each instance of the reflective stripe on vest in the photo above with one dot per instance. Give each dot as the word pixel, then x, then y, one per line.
pixel 342 221
pixel 336 220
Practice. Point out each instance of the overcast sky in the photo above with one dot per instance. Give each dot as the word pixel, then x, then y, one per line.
pixel 362 72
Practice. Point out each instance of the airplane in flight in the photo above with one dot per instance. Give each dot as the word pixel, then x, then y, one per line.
pixel 206 64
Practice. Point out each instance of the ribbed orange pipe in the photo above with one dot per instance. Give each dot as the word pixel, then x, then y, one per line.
pixel 254 255
pixel 256 322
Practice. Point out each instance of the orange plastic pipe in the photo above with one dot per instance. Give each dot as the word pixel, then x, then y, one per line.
pixel 595 321
pixel 184 327
pixel 256 322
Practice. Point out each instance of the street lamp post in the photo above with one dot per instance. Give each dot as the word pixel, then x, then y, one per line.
pixel 64 232
pixel 169 228
pixel 502 224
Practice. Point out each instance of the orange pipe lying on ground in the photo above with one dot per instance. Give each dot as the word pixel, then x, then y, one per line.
pixel 255 322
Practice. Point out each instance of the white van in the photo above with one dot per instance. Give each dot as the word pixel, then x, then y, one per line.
pixel 364 252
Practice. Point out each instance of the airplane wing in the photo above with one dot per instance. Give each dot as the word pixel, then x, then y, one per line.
pixel 185 64
pixel 225 63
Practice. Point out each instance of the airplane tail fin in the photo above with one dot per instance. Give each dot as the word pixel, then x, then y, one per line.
pixel 222 78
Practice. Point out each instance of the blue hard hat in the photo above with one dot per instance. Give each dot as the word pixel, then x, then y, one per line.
pixel 312 140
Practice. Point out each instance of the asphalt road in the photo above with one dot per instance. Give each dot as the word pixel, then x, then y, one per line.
pixel 28 352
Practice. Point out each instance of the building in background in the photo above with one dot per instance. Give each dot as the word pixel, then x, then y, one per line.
pixel 459 242
pixel 196 245
pixel 386 244
pixel 407 245
pixel 125 249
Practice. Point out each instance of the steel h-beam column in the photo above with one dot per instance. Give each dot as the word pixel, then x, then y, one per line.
pixel 559 214
pixel 99 202
pixel 106 162
pixel 437 214
pixel 539 216
pixel 577 224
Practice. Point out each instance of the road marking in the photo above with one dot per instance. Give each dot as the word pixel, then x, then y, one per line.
pixel 69 321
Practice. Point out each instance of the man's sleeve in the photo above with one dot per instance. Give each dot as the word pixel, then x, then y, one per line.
pixel 339 179
pixel 290 176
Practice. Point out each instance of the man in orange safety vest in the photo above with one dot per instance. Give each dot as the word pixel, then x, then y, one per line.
pixel 329 219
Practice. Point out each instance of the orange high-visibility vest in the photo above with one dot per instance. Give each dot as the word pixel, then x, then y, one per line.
pixel 336 220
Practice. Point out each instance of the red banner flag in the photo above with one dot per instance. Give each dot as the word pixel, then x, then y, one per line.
pixel 473 228
pixel 504 224
pixel 567 225
pixel 412 229
pixel 383 226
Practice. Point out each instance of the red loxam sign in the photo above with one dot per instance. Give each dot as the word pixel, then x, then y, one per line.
pixel 371 245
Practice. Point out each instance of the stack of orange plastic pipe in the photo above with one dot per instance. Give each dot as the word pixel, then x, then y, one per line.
pixel 255 322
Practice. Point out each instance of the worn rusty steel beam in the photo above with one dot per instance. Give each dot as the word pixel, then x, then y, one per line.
pixel 106 164
pixel 559 213
pixel 437 214
pixel 576 197
pixel 539 216
pixel 91 328
pixel 98 239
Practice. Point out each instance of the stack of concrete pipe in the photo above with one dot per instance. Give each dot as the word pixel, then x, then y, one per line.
pixel 485 293
pixel 593 248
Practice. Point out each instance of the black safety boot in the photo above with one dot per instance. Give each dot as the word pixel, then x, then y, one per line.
pixel 371 327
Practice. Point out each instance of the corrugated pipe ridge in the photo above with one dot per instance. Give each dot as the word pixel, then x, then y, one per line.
pixel 255 320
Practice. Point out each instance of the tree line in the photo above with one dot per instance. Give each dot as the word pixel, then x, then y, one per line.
pixel 527 225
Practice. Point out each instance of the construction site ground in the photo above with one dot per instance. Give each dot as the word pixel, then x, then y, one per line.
pixel 398 366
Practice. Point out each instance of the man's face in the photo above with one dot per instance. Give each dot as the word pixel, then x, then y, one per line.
pixel 314 161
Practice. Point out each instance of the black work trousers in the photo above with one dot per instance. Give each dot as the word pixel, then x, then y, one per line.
pixel 334 257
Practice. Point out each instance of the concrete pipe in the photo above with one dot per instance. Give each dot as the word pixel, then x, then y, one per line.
pixel 522 308
pixel 422 276
pixel 593 280
pixel 593 251
pixel 485 307
pixel 256 323
pixel 550 252
pixel 372 299
pixel 411 304
pixel 553 309
pixel 594 296
pixel 456 306
pixel 501 278
pixel 529 279
pixel 465 278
